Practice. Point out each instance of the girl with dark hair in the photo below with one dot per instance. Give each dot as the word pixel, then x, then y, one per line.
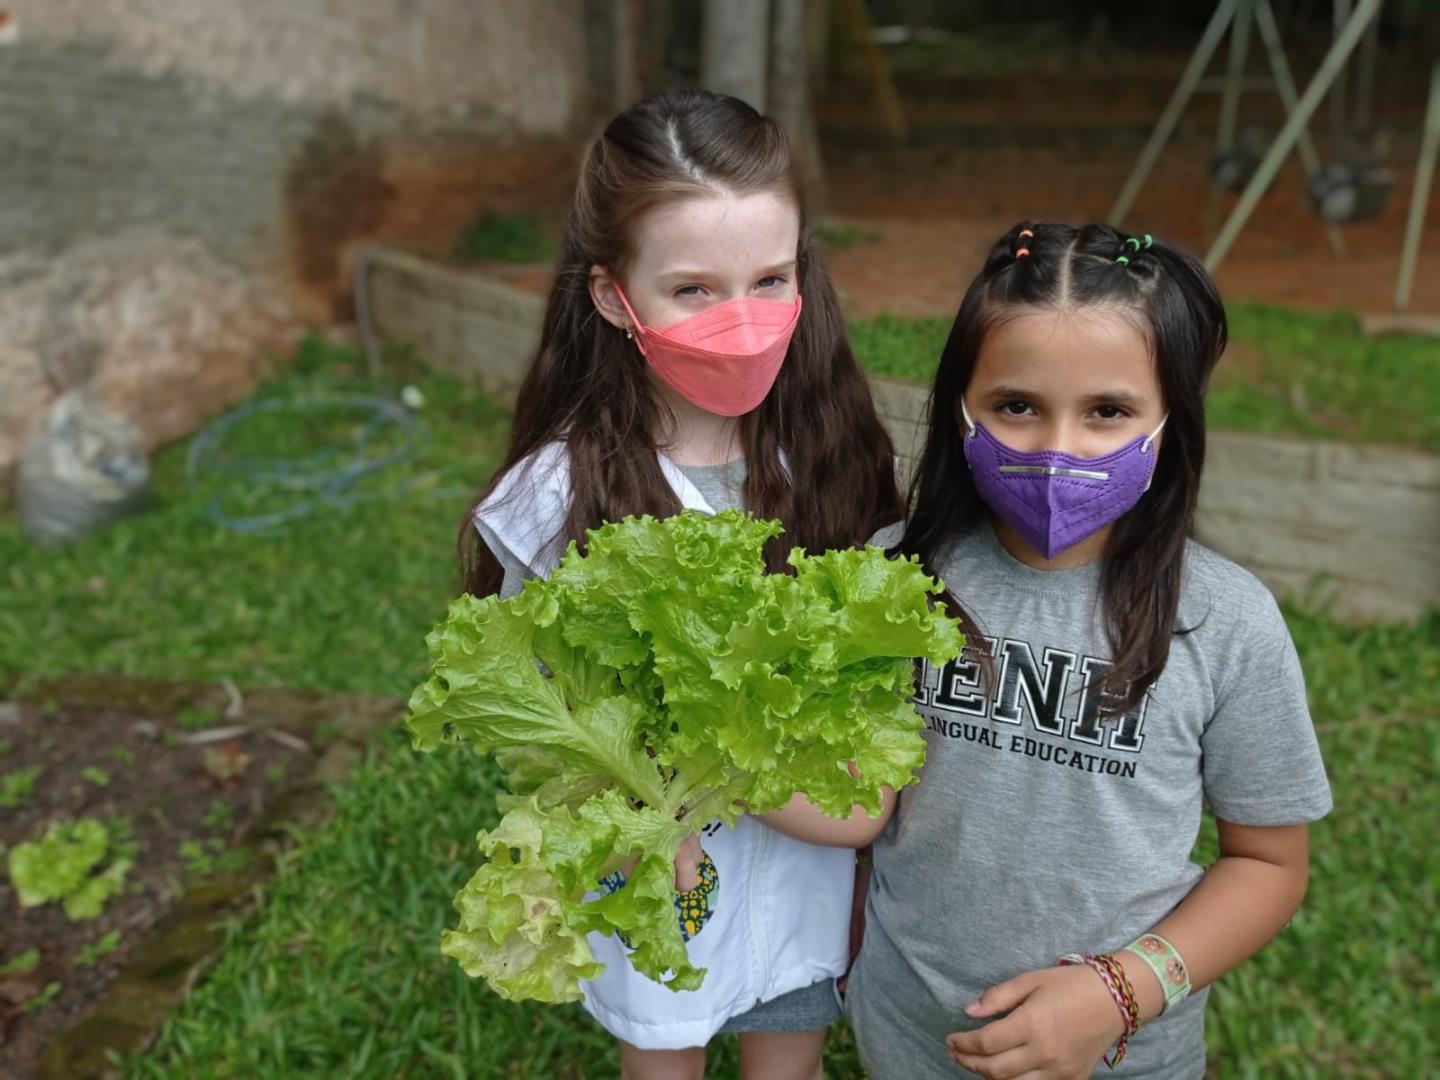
pixel 693 356
pixel 1033 905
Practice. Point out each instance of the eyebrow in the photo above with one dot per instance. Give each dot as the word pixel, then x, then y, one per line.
pixel 1118 397
pixel 1108 397
pixel 705 275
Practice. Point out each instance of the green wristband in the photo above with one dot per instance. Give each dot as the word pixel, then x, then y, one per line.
pixel 1166 962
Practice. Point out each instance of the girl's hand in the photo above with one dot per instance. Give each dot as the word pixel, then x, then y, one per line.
pixel 1060 1023
pixel 687 864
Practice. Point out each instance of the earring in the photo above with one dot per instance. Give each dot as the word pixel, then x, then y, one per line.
pixel 629 335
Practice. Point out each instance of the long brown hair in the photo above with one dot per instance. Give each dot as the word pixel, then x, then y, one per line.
pixel 1176 306
pixel 588 386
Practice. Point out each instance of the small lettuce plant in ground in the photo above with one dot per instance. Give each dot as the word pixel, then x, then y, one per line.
pixel 76 863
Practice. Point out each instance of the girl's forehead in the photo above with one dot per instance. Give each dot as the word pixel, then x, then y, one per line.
pixel 1069 350
pixel 720 232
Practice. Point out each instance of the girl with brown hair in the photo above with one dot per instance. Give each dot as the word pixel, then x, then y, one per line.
pixel 693 356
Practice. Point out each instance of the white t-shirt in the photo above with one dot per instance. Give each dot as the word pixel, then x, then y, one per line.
pixel 781 909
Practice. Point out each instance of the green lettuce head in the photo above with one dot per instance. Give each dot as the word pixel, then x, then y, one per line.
pixel 660 681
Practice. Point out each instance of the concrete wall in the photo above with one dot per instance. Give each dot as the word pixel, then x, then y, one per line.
pixel 165 167
pixel 1367 518
pixel 270 128
pixel 505 60
pixel 472 325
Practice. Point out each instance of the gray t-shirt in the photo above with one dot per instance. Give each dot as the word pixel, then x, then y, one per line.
pixel 722 485
pixel 1038 829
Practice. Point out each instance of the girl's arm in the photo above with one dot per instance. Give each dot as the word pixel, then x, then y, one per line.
pixel 801 819
pixel 1061 1020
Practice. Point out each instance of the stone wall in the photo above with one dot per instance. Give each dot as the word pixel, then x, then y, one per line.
pixel 1364 519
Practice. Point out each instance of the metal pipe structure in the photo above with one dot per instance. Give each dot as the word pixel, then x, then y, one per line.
pixel 1424 176
pixel 1165 126
pixel 1239 51
pixel 1290 98
pixel 1330 68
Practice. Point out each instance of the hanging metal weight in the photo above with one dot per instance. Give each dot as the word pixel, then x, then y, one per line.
pixel 1353 188
pixel 1349 191
pixel 1231 170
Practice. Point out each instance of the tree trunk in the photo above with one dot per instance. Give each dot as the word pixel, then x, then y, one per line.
pixel 735 49
pixel 790 102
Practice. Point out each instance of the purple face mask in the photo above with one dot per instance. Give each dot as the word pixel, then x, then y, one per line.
pixel 1054 499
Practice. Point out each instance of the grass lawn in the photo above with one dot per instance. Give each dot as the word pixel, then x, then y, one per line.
pixel 339 972
pixel 1287 372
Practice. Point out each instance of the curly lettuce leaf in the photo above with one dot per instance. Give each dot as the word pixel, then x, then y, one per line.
pixel 525 913
pixel 65 866
pixel 659 681
pixel 486 689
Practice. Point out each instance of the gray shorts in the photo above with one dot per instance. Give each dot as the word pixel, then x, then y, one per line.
pixel 810 1007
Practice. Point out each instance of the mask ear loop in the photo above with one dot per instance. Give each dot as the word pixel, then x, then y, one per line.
pixel 1150 439
pixel 1145 449
pixel 638 334
pixel 970 424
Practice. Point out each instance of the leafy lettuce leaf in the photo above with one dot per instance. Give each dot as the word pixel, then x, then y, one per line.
pixel 659 681
pixel 65 866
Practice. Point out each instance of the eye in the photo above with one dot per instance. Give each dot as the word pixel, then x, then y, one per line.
pixel 1015 408
pixel 689 290
pixel 1111 412
pixel 771 281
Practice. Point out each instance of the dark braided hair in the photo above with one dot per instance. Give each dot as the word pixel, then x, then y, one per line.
pixel 1172 301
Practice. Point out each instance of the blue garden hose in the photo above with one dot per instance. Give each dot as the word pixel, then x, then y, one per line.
pixel 328 478
pixel 325 479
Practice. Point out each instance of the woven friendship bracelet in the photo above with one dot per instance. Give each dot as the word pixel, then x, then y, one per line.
pixel 1121 992
pixel 1131 1004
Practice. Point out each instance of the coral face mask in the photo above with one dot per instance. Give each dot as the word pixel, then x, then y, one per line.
pixel 724 359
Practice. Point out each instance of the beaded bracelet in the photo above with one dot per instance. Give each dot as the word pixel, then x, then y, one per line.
pixel 1112 974
pixel 1168 965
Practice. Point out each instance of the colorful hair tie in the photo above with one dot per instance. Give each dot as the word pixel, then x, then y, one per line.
pixel 1020 253
pixel 1136 243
